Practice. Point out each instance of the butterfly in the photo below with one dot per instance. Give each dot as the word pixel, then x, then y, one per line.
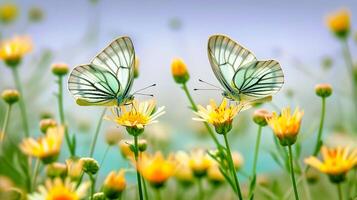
pixel 108 78
pixel 243 77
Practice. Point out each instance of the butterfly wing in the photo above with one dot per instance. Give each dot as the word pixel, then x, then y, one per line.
pixel 258 79
pixel 107 78
pixel 93 85
pixel 119 59
pixel 226 57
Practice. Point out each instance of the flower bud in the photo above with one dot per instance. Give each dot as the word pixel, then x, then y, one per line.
pixel 114 184
pixel 259 117
pixel 238 160
pixel 47 123
pixel 136 67
pixel 90 165
pixel 179 71
pixel 56 170
pixel 10 96
pixel 8 13
pixel 339 23
pixel 35 14
pixel 74 168
pixel 113 136
pixel 142 145
pixel 323 90
pixel 60 69
pixel 99 196
pixel 125 149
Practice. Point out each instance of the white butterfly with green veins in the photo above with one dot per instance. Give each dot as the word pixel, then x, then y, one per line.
pixel 108 78
pixel 242 76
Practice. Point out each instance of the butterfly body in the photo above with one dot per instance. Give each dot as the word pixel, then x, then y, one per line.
pixel 242 76
pixel 108 78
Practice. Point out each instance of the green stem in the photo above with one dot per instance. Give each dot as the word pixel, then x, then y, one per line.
pixel 194 107
pixel 254 169
pixel 138 176
pixel 35 173
pixel 62 118
pixel 339 191
pixel 5 123
pixel 200 189
pixel 291 163
pixel 95 137
pixel 158 194
pixel 231 165
pixel 145 189
pixel 349 63
pixel 22 104
pixel 319 135
pixel 92 189
pixel 104 155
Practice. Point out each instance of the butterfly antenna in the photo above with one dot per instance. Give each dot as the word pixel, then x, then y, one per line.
pixel 136 92
pixel 143 94
pixel 209 89
pixel 202 81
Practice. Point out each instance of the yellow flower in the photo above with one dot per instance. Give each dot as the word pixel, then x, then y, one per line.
pixel 8 13
pixel 183 171
pixel 200 162
pixel 140 115
pixel 286 126
pixel 114 184
pixel 12 50
pixel 46 147
pixel 339 22
pixel 220 117
pixel 214 175
pixel 156 169
pixel 57 189
pixel 336 162
pixel 74 168
pixel 179 71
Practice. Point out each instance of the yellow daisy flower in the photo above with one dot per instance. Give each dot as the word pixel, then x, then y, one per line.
pixel 183 171
pixel 46 147
pixel 336 162
pixel 58 189
pixel 179 71
pixel 138 116
pixel 156 169
pixel 220 117
pixel 12 50
pixel 200 162
pixel 286 126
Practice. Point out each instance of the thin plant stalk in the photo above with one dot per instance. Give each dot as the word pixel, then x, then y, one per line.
pixel 349 62
pixel 62 117
pixel 194 107
pixel 231 166
pixel 35 173
pixel 138 176
pixel 255 160
pixel 339 191
pixel 95 137
pixel 319 135
pixel 22 104
pixel 92 189
pixel 291 163
pixel 200 189
pixel 146 194
pixel 5 123
pixel 158 194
